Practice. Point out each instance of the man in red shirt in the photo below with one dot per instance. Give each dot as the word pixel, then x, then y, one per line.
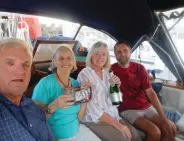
pixel 141 106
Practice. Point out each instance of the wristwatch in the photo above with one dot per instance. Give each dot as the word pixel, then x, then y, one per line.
pixel 48 110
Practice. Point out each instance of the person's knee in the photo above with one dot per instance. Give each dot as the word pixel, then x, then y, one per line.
pixel 154 134
pixel 136 136
pixel 152 131
pixel 166 136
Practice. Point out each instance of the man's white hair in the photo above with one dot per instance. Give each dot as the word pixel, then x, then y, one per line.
pixel 14 42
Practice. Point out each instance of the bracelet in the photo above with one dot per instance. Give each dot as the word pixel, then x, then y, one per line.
pixel 48 110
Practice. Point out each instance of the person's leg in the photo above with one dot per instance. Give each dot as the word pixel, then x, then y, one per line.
pixel 135 134
pixel 106 132
pixel 164 136
pixel 151 130
pixel 152 115
pixel 85 134
pixel 136 118
pixel 131 116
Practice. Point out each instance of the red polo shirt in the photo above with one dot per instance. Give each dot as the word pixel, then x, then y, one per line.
pixel 134 82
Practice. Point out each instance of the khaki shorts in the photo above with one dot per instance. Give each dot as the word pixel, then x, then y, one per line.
pixel 132 115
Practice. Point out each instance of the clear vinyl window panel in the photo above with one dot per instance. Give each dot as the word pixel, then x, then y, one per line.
pixel 177 32
pixel 146 56
pixel 88 36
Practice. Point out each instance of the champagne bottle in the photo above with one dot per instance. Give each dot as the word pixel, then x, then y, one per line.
pixel 115 93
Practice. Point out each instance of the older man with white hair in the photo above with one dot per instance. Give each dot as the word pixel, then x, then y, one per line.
pixel 20 118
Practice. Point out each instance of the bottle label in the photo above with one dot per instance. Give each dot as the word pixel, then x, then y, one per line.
pixel 116 97
pixel 120 97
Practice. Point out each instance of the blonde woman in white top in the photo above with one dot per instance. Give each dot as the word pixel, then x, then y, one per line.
pixel 102 117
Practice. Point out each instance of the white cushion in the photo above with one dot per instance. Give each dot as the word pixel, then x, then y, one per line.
pixel 180 123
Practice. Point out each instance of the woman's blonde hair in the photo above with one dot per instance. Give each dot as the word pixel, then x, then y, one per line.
pixel 53 67
pixel 94 49
pixel 14 42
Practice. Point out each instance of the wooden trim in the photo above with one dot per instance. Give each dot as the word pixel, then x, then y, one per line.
pixel 40 62
pixel 171 84
pixel 51 42
pixel 81 64
pixel 176 85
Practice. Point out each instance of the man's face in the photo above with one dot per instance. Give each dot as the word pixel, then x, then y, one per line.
pixel 15 70
pixel 122 53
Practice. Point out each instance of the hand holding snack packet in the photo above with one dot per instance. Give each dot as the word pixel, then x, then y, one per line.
pixel 81 94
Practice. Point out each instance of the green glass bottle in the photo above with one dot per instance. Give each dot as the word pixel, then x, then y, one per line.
pixel 115 93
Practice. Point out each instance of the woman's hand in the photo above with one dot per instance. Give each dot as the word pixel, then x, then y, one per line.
pixel 123 129
pixel 85 85
pixel 116 80
pixel 64 101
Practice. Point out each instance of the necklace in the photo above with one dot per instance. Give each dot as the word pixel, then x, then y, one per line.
pixel 65 86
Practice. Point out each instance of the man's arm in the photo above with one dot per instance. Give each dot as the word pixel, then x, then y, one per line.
pixel 168 126
pixel 152 96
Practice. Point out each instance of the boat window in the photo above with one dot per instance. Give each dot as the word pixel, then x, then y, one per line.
pixel 58 27
pixel 29 27
pixel 175 26
pixel 88 36
pixel 145 55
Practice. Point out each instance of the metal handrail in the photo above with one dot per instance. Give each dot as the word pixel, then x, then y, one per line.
pixel 138 43
pixel 147 38
pixel 170 40
pixel 159 47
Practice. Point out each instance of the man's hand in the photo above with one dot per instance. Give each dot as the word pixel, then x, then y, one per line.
pixel 169 127
pixel 174 128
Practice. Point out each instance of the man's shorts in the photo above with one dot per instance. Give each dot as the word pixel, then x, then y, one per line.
pixel 132 115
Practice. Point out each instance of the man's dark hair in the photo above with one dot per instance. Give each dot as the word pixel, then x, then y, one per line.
pixel 122 42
